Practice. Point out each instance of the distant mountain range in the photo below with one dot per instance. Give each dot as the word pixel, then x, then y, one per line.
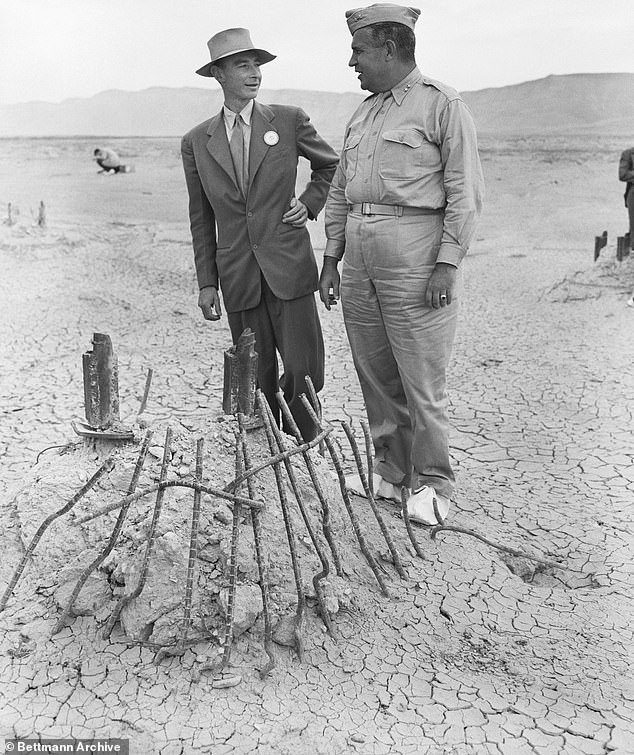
pixel 584 102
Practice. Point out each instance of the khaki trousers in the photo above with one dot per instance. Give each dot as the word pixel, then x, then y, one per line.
pixel 401 348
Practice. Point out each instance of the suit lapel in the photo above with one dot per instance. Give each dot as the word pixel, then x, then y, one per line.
pixel 218 146
pixel 261 123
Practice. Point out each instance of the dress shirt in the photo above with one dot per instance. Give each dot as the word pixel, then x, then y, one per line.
pixel 230 119
pixel 414 146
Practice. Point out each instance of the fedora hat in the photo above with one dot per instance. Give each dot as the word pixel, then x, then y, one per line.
pixel 230 42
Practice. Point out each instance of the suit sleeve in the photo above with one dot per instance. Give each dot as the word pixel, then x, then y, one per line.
pixel 202 220
pixel 626 166
pixel 323 162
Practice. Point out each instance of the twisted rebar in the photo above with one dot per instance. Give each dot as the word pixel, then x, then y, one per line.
pixel 368 453
pixel 325 566
pixel 290 534
pixel 146 391
pixel 181 643
pixel 224 493
pixel 126 599
pixel 346 498
pixel 260 558
pixel 408 524
pixel 275 459
pixel 113 537
pixel 312 471
pixel 107 466
pixel 233 565
pixel 370 496
pixel 436 529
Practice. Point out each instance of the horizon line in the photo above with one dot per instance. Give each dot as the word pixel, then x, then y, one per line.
pixel 301 89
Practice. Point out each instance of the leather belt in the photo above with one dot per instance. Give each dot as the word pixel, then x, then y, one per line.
pixel 370 208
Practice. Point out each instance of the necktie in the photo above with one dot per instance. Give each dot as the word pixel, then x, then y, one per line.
pixel 238 154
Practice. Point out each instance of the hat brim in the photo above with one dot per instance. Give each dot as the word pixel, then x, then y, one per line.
pixel 263 57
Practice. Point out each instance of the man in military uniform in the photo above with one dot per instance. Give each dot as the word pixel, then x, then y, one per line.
pixel 402 206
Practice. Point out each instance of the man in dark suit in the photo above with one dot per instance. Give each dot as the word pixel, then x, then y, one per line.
pixel 626 173
pixel 248 227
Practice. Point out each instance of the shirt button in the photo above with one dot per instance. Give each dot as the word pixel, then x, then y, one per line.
pixel 255 246
pixel 249 214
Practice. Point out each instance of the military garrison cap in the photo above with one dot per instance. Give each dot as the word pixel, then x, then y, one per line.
pixel 381 13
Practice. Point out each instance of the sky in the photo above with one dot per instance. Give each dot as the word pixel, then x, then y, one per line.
pixel 52 50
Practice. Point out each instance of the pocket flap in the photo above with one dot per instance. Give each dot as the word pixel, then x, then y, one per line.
pixel 409 137
pixel 352 141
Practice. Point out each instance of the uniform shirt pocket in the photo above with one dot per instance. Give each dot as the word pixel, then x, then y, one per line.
pixel 406 155
pixel 351 155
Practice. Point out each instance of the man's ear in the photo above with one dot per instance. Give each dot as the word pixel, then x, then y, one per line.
pixel 390 49
pixel 217 73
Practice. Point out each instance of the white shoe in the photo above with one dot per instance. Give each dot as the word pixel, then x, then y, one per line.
pixel 382 488
pixel 420 506
pixel 387 490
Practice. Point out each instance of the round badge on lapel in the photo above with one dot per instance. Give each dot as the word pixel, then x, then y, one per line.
pixel 271 138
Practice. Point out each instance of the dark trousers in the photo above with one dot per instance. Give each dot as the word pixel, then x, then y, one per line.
pixel 629 203
pixel 106 167
pixel 291 328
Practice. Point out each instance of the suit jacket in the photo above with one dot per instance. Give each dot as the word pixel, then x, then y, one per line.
pixel 626 170
pixel 236 240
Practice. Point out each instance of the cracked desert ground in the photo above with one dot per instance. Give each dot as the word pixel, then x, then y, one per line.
pixel 474 652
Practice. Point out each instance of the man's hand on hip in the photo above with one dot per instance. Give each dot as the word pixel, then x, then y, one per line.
pixel 441 286
pixel 209 303
pixel 329 282
pixel 297 215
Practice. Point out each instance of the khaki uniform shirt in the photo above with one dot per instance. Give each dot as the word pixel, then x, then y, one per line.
pixel 413 146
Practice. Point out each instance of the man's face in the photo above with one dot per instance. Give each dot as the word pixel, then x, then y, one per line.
pixel 369 61
pixel 239 75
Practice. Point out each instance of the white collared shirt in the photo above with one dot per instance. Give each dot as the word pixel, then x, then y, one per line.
pixel 230 119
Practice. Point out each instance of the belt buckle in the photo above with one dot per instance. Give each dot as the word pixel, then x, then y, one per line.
pixel 366 208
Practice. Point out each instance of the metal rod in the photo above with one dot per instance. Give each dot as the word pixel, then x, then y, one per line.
pixel 314 476
pixel 163 486
pixel 126 599
pixel 368 453
pixel 346 499
pixel 325 566
pixel 233 565
pixel 217 492
pixel 260 557
pixel 408 524
pixel 316 404
pixel 113 537
pixel 107 466
pixel 277 458
pixel 375 509
pixel 181 644
pixel 193 542
pixel 146 391
pixel 290 534
pixel 513 551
